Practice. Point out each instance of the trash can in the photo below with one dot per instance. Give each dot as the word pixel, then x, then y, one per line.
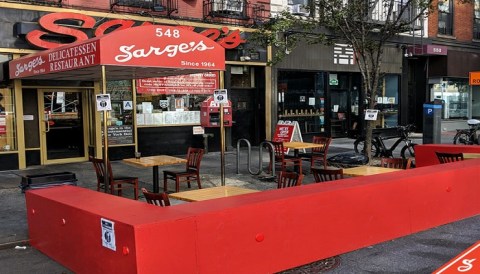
pixel 346 160
pixel 47 180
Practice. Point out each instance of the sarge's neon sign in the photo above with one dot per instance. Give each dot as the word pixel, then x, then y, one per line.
pixel 226 38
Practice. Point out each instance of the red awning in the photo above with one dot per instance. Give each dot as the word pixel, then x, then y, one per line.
pixel 139 52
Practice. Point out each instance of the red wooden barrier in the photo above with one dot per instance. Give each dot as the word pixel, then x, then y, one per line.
pixel 262 232
pixel 425 154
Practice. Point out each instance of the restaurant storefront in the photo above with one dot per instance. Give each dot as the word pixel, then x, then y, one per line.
pixel 320 87
pixel 151 112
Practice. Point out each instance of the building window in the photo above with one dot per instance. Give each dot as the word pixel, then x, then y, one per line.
pixel 120 121
pixel 445 17
pixel 299 7
pixel 476 20
pixel 455 96
pixel 8 135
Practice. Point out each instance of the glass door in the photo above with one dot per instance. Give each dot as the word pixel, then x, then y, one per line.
pixel 339 112
pixel 63 126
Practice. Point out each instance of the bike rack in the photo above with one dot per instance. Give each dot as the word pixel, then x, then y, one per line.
pixel 260 162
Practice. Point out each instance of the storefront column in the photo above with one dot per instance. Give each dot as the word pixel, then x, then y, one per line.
pixel 22 162
pixel 97 145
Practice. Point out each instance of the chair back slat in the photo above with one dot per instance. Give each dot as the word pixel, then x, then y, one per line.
pixel 446 157
pixel 279 150
pixel 194 158
pixel 289 179
pixel 398 163
pixel 325 175
pixel 100 169
pixel 321 140
pixel 158 199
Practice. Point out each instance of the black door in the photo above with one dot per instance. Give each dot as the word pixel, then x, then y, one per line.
pixel 246 121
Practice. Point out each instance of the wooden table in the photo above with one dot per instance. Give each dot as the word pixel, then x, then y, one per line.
pixel 471 156
pixel 367 170
pixel 210 193
pixel 155 161
pixel 296 146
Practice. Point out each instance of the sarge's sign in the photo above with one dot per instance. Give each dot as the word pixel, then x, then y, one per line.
pixel 144 46
pixel 50 25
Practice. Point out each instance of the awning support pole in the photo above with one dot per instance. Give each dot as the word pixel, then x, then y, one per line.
pixel 105 135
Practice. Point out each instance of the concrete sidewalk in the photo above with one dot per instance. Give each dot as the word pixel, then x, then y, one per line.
pixel 419 253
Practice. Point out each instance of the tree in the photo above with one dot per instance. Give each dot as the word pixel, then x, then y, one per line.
pixel 368 26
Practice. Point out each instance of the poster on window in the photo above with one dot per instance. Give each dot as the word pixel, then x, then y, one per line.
pixel 198 83
pixel 3 124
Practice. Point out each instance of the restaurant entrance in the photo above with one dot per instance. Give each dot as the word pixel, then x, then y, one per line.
pixel 63 125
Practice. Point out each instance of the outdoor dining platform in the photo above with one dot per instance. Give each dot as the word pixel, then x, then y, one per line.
pixel 220 235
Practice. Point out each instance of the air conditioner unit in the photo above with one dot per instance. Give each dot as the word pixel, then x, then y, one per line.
pixel 234 6
pixel 299 9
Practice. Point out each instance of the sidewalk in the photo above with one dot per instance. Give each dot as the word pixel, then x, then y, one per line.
pixel 419 253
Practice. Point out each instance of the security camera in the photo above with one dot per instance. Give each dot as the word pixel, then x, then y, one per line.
pixel 406 54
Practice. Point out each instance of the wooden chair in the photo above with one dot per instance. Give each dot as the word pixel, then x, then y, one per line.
pixel 158 199
pixel 116 184
pixel 285 160
pixel 446 157
pixel 289 179
pixel 398 163
pixel 191 173
pixel 325 175
pixel 318 154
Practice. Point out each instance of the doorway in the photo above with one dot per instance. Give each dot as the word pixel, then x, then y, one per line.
pixel 63 126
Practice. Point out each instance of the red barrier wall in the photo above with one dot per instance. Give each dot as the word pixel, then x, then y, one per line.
pixel 425 154
pixel 262 232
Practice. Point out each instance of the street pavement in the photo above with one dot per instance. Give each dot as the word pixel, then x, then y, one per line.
pixel 422 252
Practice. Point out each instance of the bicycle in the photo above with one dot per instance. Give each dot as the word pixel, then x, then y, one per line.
pixel 468 136
pixel 379 148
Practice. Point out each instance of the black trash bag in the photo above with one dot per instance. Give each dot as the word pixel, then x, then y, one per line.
pixel 346 160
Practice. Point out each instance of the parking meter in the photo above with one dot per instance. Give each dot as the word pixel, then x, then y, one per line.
pixel 432 122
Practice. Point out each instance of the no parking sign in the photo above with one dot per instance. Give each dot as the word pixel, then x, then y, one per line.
pixel 103 102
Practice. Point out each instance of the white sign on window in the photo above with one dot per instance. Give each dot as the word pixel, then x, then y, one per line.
pixel 103 102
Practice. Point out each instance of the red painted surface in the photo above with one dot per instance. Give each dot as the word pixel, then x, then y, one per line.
pixel 465 262
pixel 153 46
pixel 425 154
pixel 262 232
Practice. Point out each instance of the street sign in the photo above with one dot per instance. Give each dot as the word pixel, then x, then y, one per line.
pixel 103 102
pixel 465 262
pixel 333 82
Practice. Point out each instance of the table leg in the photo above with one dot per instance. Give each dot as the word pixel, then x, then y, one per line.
pixel 155 179
pixel 295 154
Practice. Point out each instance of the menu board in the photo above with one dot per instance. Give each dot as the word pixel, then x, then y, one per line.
pixel 287 131
pixel 120 135
pixel 198 83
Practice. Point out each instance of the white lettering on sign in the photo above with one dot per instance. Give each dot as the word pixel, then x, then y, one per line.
pixel 467 265
pixel 21 68
pixel 170 50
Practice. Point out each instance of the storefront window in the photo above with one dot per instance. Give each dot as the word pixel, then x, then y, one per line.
pixel 8 135
pixel 173 100
pixel 120 122
pixel 387 101
pixel 301 98
pixel 455 96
